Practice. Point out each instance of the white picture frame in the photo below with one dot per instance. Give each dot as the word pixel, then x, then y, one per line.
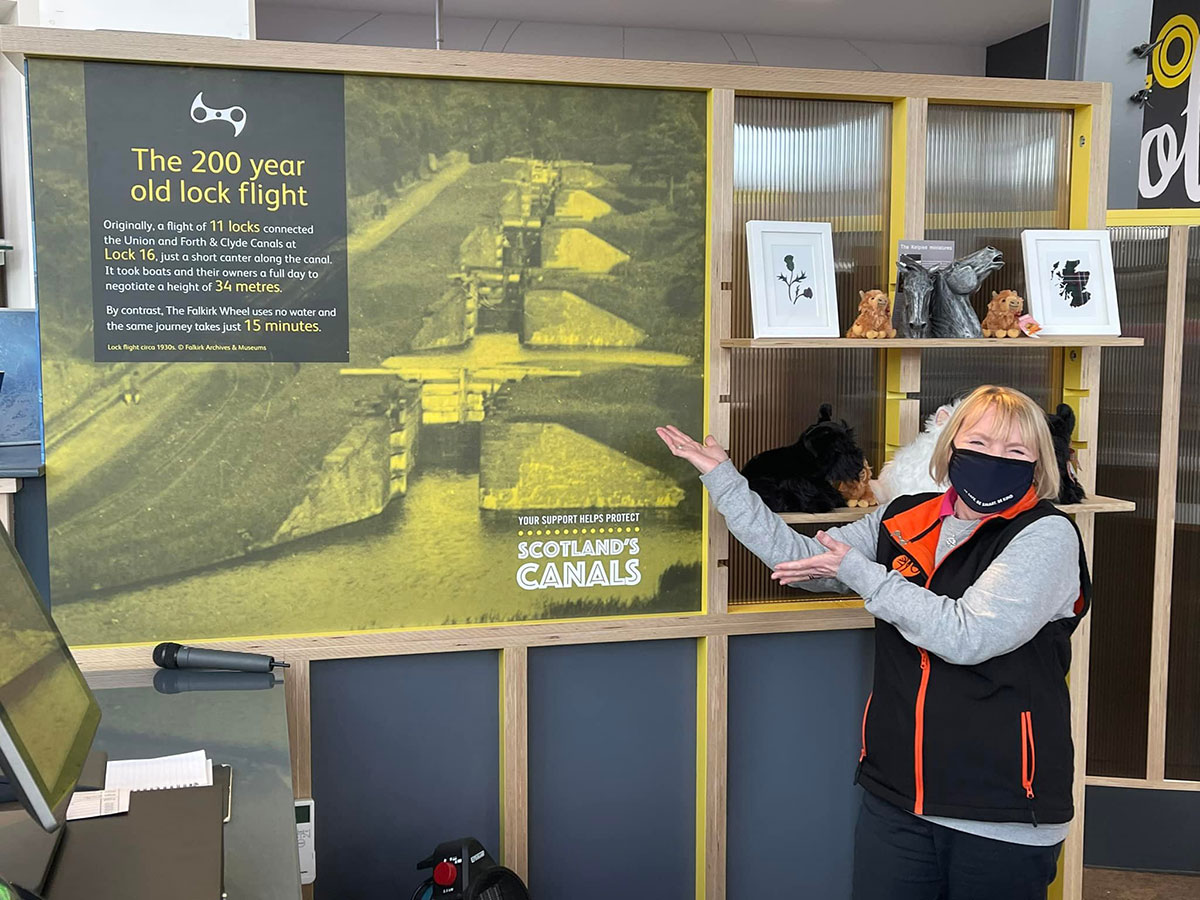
pixel 1069 282
pixel 784 304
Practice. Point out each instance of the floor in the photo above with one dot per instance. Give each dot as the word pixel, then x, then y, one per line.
pixel 1103 884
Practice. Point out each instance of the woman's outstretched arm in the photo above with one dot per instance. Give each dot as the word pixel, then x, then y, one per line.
pixel 759 529
pixel 769 538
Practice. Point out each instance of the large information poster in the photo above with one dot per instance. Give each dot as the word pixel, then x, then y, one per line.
pixel 326 354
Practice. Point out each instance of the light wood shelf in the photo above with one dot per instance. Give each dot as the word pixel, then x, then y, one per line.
pixel 1099 505
pixel 775 607
pixel 1050 340
pixel 1153 784
pixel 847 514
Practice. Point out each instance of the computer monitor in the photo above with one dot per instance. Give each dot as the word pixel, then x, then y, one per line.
pixel 48 716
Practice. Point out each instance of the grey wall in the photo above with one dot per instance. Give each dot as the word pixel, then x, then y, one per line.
pixel 1147 830
pixel 1063 47
pixel 327 25
pixel 405 755
pixel 1109 30
pixel 795 715
pixel 612 771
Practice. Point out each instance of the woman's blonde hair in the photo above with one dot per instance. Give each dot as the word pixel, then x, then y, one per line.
pixel 1011 407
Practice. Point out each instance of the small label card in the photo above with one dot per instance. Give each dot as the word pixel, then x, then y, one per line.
pixel 91 804
pixel 928 253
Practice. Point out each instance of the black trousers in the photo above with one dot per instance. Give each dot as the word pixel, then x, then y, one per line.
pixel 898 856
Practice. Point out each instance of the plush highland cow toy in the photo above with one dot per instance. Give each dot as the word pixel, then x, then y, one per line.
pixel 1003 314
pixel 874 318
pixel 801 476
pixel 858 492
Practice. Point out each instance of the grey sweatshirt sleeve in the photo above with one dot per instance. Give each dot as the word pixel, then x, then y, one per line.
pixel 1034 580
pixel 769 538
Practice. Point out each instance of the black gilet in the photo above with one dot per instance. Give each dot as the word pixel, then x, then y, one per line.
pixel 987 742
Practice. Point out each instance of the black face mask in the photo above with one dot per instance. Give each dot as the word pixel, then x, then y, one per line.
pixel 989 484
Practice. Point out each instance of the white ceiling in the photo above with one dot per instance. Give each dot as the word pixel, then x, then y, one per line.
pixel 976 22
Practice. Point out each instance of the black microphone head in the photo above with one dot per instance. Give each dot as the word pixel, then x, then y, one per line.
pixel 165 655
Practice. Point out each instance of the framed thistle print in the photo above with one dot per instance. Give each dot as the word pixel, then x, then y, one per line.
pixel 792 290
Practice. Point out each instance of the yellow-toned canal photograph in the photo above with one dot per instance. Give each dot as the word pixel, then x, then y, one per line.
pixel 526 303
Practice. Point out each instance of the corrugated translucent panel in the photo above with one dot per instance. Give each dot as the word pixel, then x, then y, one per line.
pixel 1127 466
pixel 814 161
pixel 991 173
pixel 777 394
pixel 806 160
pixel 750 580
pixel 948 374
pixel 1183 686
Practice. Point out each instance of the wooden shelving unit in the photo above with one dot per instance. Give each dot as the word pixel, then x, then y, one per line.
pixel 1073 370
pixel 1037 343
pixel 1076 380
pixel 847 514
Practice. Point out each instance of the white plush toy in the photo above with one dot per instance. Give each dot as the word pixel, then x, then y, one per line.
pixel 907 472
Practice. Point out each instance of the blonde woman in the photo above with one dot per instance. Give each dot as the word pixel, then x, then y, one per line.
pixel 966 754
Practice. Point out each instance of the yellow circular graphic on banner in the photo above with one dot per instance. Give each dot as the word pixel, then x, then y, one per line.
pixel 1179 29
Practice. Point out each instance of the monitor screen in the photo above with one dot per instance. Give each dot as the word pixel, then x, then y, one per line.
pixel 48 715
pixel 20 384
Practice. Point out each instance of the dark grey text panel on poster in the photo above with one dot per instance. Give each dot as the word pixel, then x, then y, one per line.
pixel 218 214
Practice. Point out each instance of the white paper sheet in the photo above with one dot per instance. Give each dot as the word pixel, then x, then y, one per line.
pixel 163 773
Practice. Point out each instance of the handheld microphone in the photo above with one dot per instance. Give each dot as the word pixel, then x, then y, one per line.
pixel 172 681
pixel 175 656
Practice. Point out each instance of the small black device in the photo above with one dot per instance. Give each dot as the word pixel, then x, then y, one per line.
pixel 463 870
pixel 176 656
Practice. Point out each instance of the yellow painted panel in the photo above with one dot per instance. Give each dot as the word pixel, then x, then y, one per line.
pixel 701 763
pixel 1055 891
pixel 1074 393
pixel 1081 166
pixel 899 186
pixel 1118 217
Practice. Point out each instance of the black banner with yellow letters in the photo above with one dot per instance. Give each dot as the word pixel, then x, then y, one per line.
pixel 1169 159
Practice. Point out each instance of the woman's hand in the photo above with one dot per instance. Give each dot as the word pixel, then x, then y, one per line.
pixel 705 457
pixel 823 565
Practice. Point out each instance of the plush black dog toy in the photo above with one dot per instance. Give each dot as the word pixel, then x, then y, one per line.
pixel 1062 423
pixel 800 477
